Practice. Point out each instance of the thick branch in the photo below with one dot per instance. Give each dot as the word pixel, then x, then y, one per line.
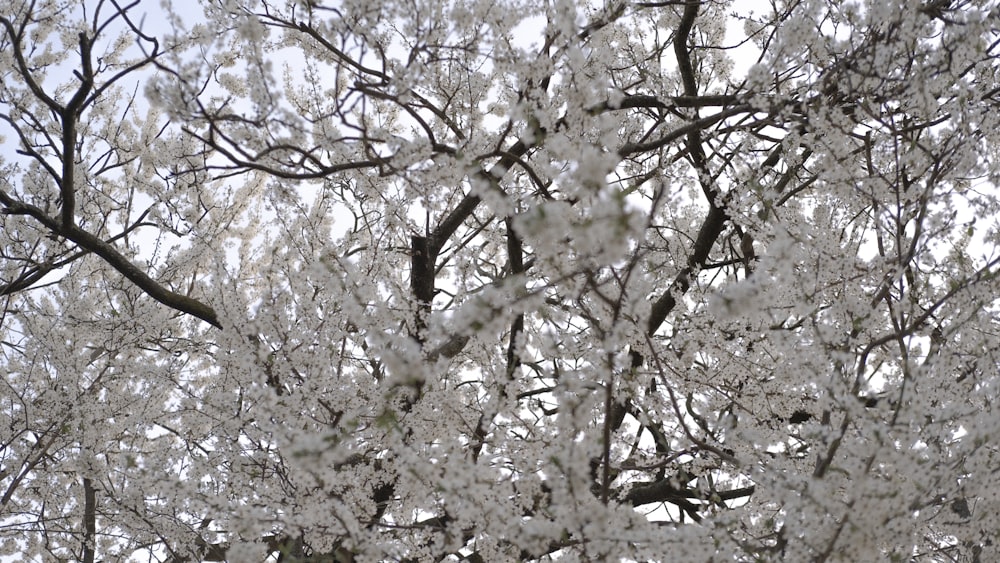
pixel 681 48
pixel 696 125
pixel 647 101
pixel 714 222
pixel 105 250
pixel 664 490
pixel 89 520
pixel 69 115
pixel 421 282
pixel 464 209
pixel 515 253
pixel 709 233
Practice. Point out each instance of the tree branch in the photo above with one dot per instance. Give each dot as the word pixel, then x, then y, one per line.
pixel 89 520
pixel 116 260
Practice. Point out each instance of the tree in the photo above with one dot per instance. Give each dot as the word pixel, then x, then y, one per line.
pixel 493 281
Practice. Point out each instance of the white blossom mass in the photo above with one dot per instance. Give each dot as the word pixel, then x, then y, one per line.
pixel 499 280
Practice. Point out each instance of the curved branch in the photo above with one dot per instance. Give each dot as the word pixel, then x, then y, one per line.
pixel 696 125
pixel 105 250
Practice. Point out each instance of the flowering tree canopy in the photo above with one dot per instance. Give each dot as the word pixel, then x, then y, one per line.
pixel 483 280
